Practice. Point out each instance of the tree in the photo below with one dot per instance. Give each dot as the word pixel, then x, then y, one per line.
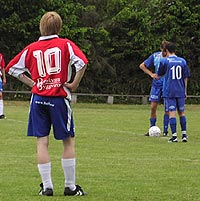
pixel 116 36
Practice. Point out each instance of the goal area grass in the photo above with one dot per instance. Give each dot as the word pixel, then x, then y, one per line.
pixel 114 160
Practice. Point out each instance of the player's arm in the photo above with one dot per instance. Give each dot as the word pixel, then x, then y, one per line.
pixel 186 75
pixel 17 68
pixel 79 61
pixel 2 67
pixel 3 75
pixel 186 81
pixel 74 85
pixel 26 80
pixel 147 71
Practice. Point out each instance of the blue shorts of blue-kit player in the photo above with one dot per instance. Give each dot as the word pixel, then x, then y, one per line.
pixel 155 94
pixel 1 86
pixel 174 104
pixel 48 111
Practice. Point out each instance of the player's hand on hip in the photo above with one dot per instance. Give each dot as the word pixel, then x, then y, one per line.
pixel 71 86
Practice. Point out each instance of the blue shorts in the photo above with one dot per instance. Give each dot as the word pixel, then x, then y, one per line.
pixel 48 111
pixel 155 94
pixel 173 104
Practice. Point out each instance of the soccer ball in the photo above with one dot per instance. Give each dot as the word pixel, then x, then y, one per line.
pixel 154 131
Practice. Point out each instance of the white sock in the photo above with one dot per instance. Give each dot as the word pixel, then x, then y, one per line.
pixel 68 166
pixel 45 172
pixel 184 132
pixel 1 107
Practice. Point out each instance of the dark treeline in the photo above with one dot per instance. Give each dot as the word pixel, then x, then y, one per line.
pixel 116 36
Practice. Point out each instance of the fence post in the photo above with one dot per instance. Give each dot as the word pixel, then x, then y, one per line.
pixel 110 100
pixel 74 98
pixel 144 100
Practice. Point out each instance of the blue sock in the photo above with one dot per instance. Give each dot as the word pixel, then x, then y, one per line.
pixel 183 123
pixel 166 123
pixel 172 122
pixel 152 122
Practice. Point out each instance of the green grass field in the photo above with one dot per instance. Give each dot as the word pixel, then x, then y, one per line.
pixel 115 161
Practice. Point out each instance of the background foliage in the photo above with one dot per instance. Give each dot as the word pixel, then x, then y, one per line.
pixel 116 36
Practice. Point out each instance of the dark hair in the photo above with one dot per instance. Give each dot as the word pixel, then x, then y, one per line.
pixel 171 47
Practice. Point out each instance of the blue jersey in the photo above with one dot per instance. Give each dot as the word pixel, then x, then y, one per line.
pixel 175 70
pixel 153 61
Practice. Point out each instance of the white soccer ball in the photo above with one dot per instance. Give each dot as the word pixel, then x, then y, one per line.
pixel 154 131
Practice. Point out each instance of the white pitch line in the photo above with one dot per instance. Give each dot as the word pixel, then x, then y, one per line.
pixel 17 121
pixel 108 129
pixel 94 128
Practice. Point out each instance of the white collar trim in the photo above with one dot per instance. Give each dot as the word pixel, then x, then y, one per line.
pixel 48 37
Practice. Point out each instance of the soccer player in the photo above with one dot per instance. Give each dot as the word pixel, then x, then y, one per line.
pixel 49 62
pixel 2 82
pixel 176 74
pixel 153 62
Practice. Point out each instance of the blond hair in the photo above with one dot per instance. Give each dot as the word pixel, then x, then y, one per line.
pixel 50 23
pixel 163 44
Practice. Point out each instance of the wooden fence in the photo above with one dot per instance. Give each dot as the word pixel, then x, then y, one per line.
pixel 109 98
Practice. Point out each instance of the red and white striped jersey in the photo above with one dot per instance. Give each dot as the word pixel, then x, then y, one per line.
pixel 2 63
pixel 49 62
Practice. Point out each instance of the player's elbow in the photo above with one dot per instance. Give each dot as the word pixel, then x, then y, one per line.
pixel 142 66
